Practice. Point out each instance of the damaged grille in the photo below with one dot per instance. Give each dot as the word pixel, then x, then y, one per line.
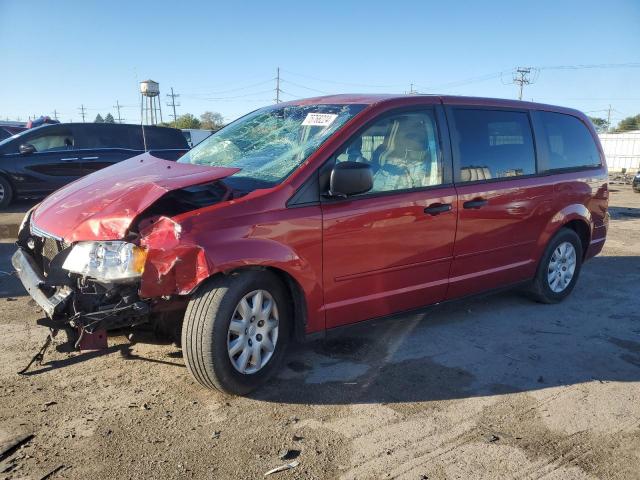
pixel 50 248
pixel 44 247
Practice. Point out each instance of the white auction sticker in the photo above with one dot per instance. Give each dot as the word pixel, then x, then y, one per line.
pixel 319 119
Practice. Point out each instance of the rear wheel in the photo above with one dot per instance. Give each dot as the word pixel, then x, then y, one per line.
pixel 236 330
pixel 559 268
pixel 6 193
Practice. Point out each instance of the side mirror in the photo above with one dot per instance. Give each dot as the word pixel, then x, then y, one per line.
pixel 27 148
pixel 350 178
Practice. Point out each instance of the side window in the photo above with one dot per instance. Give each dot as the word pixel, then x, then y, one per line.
pixel 103 135
pixel 402 149
pixel 59 140
pixel 493 144
pixel 570 142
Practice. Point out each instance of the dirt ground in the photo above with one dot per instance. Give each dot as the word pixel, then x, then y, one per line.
pixel 498 387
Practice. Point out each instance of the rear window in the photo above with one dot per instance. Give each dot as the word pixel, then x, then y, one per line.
pixel 570 142
pixel 493 144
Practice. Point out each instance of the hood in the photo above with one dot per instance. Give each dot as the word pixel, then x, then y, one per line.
pixel 102 206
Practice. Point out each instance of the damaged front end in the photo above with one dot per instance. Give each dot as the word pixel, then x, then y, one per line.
pixel 102 253
pixel 84 307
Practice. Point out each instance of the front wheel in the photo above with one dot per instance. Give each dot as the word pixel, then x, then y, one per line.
pixel 6 192
pixel 236 330
pixel 559 268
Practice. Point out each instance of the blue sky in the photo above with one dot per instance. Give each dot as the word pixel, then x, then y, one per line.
pixel 222 56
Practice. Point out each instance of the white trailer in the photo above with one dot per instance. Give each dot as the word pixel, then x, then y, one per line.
pixel 622 151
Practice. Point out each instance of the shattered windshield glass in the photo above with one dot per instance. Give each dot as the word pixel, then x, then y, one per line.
pixel 270 143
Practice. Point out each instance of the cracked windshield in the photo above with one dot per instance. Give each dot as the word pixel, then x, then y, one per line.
pixel 270 143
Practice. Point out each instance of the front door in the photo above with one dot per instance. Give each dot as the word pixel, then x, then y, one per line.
pixel 54 163
pixel 502 205
pixel 390 249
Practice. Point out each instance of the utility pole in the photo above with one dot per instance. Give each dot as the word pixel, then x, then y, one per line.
pixel 55 115
pixel 521 78
pixel 411 90
pixel 173 104
pixel 117 107
pixel 609 118
pixel 82 111
pixel 277 99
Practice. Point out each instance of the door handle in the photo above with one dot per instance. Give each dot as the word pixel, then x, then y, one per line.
pixel 69 159
pixel 90 158
pixel 437 208
pixel 475 203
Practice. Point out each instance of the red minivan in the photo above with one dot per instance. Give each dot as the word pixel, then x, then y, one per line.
pixel 314 214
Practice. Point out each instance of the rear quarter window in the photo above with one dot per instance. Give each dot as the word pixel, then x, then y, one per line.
pixel 570 144
pixel 165 138
pixel 493 144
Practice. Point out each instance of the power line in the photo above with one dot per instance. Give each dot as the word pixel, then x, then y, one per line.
pixel 231 90
pixel 593 65
pixel 173 104
pixel 337 82
pixel 234 96
pixel 302 86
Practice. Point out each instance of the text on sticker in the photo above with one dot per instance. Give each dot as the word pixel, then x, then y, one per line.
pixel 319 119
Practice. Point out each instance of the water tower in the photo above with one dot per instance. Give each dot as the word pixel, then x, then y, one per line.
pixel 150 102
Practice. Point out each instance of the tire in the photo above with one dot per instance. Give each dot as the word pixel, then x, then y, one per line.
pixel 6 192
pixel 207 337
pixel 541 289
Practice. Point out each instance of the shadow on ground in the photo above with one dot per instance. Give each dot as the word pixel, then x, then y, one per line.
pixel 624 213
pixel 10 285
pixel 494 345
pixel 20 206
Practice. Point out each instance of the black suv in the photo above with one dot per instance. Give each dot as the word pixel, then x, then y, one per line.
pixel 43 159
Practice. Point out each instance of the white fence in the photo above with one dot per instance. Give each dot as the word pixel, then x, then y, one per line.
pixel 622 151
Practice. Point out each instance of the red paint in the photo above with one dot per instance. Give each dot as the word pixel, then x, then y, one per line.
pixel 353 259
pixel 103 205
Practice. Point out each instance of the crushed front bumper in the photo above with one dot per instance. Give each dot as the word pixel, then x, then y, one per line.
pixel 61 303
pixel 33 280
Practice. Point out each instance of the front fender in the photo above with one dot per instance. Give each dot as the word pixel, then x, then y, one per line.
pixel 177 262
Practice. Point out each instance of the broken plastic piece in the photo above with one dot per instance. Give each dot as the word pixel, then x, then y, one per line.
pixel 282 468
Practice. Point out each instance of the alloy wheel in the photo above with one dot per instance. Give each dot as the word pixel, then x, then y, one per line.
pixel 253 332
pixel 562 267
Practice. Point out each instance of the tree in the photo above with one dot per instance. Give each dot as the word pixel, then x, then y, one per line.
pixel 99 119
pixel 601 124
pixel 109 119
pixel 211 121
pixel 187 121
pixel 628 124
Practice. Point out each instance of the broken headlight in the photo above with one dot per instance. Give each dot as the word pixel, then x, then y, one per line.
pixel 106 261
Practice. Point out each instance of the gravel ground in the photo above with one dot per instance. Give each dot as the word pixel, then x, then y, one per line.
pixel 497 387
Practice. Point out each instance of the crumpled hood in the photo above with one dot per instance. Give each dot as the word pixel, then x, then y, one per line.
pixel 101 206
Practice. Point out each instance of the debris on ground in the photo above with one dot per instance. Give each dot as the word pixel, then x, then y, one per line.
pixel 52 472
pixel 216 435
pixel 282 468
pixel 286 454
pixel 10 444
pixel 491 438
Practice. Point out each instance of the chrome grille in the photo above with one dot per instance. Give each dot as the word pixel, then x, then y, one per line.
pixel 46 247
